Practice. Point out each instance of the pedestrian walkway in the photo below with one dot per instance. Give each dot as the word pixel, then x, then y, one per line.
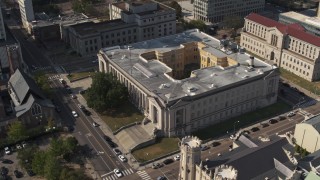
pixel 144 175
pixel 42 68
pixel 308 103
pixel 112 176
pixel 54 77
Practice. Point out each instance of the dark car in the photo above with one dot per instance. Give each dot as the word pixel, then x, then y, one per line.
pixel 168 161
pixel 112 144
pixel 281 118
pixel 107 138
pixel 156 165
pixel 17 173
pixel 264 125
pixel 117 151
pixel 58 109
pixel 3 171
pixel 7 161
pixel 30 172
pixel 161 178
pixel 203 148
pixel 215 144
pixel 86 112
pixel 82 91
pixel 273 121
pixel 255 129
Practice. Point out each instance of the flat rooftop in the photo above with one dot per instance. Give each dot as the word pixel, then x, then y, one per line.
pixel 152 74
pixel 303 18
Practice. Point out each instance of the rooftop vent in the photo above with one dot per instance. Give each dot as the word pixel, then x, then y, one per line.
pixel 192 89
pixel 245 76
pixel 123 56
pixel 260 71
pixel 213 74
pixel 249 69
pixel 213 85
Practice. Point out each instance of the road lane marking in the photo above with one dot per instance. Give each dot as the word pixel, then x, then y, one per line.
pixel 97 151
pixel 103 175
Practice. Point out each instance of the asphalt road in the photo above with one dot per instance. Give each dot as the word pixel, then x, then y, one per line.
pixel 103 158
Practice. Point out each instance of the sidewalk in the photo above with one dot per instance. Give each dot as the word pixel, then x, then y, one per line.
pixel 105 129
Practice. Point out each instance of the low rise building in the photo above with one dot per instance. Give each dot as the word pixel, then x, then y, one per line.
pixel 178 101
pixel 216 10
pixel 130 22
pixel 31 106
pixel 307 134
pixel 288 46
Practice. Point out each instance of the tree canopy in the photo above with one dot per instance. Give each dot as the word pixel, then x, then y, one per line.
pixel 106 92
pixel 235 22
pixel 197 24
pixel 17 131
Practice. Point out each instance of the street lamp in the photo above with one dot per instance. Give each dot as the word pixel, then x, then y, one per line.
pixel 234 127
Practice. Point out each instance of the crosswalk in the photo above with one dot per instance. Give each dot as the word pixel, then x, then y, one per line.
pixel 42 68
pixel 144 175
pixel 54 77
pixel 112 176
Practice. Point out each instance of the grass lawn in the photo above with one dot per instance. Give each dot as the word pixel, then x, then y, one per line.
pixel 244 120
pixel 122 116
pixel 310 86
pixel 162 147
pixel 74 76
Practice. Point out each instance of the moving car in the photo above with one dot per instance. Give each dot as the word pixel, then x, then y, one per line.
pixel 254 129
pixel 273 121
pixel 75 114
pixel 117 172
pixel 215 144
pixel 122 158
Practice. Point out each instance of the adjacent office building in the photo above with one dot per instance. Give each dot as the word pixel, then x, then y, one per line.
pixel 26 11
pixel 215 10
pixel 287 46
pixel 130 22
pixel 177 101
pixel 311 24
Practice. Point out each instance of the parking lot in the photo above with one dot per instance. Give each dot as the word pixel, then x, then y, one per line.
pixel 11 163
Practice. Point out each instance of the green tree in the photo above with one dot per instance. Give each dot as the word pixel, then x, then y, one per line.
pixel 175 5
pixel 71 174
pixel 57 147
pixel 106 92
pixel 52 167
pixel 42 81
pixel 26 156
pixel 17 131
pixel 38 162
pixel 197 24
pixel 81 6
pixel 234 22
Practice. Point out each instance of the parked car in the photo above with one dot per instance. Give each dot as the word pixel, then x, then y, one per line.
pixel 81 106
pixel 18 146
pixel 116 151
pixel 30 172
pixel 17 173
pixel 86 112
pixel 161 178
pixel 215 144
pixel 95 124
pixel 73 96
pixel 122 158
pixel 156 165
pixel 107 138
pixel 112 144
pixel 7 150
pixel 69 91
pixel 290 114
pixel 7 161
pixel 255 129
pixel 82 91
pixel 281 118
pixel 177 158
pixel 203 148
pixel 75 114
pixel 168 161
pixel 273 121
pixel 3 171
pixel 117 172
pixel 62 81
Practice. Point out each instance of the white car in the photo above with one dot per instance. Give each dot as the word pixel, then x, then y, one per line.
pixel 117 172
pixel 75 114
pixel 95 124
pixel 122 158
pixel 290 114
pixel 24 144
pixel 177 158
pixel 7 150
pixel 73 96
pixel 18 146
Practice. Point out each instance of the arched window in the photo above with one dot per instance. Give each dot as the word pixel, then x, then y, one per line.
pixel 36 110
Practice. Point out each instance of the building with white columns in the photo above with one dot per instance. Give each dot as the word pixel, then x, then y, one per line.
pixel 178 102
